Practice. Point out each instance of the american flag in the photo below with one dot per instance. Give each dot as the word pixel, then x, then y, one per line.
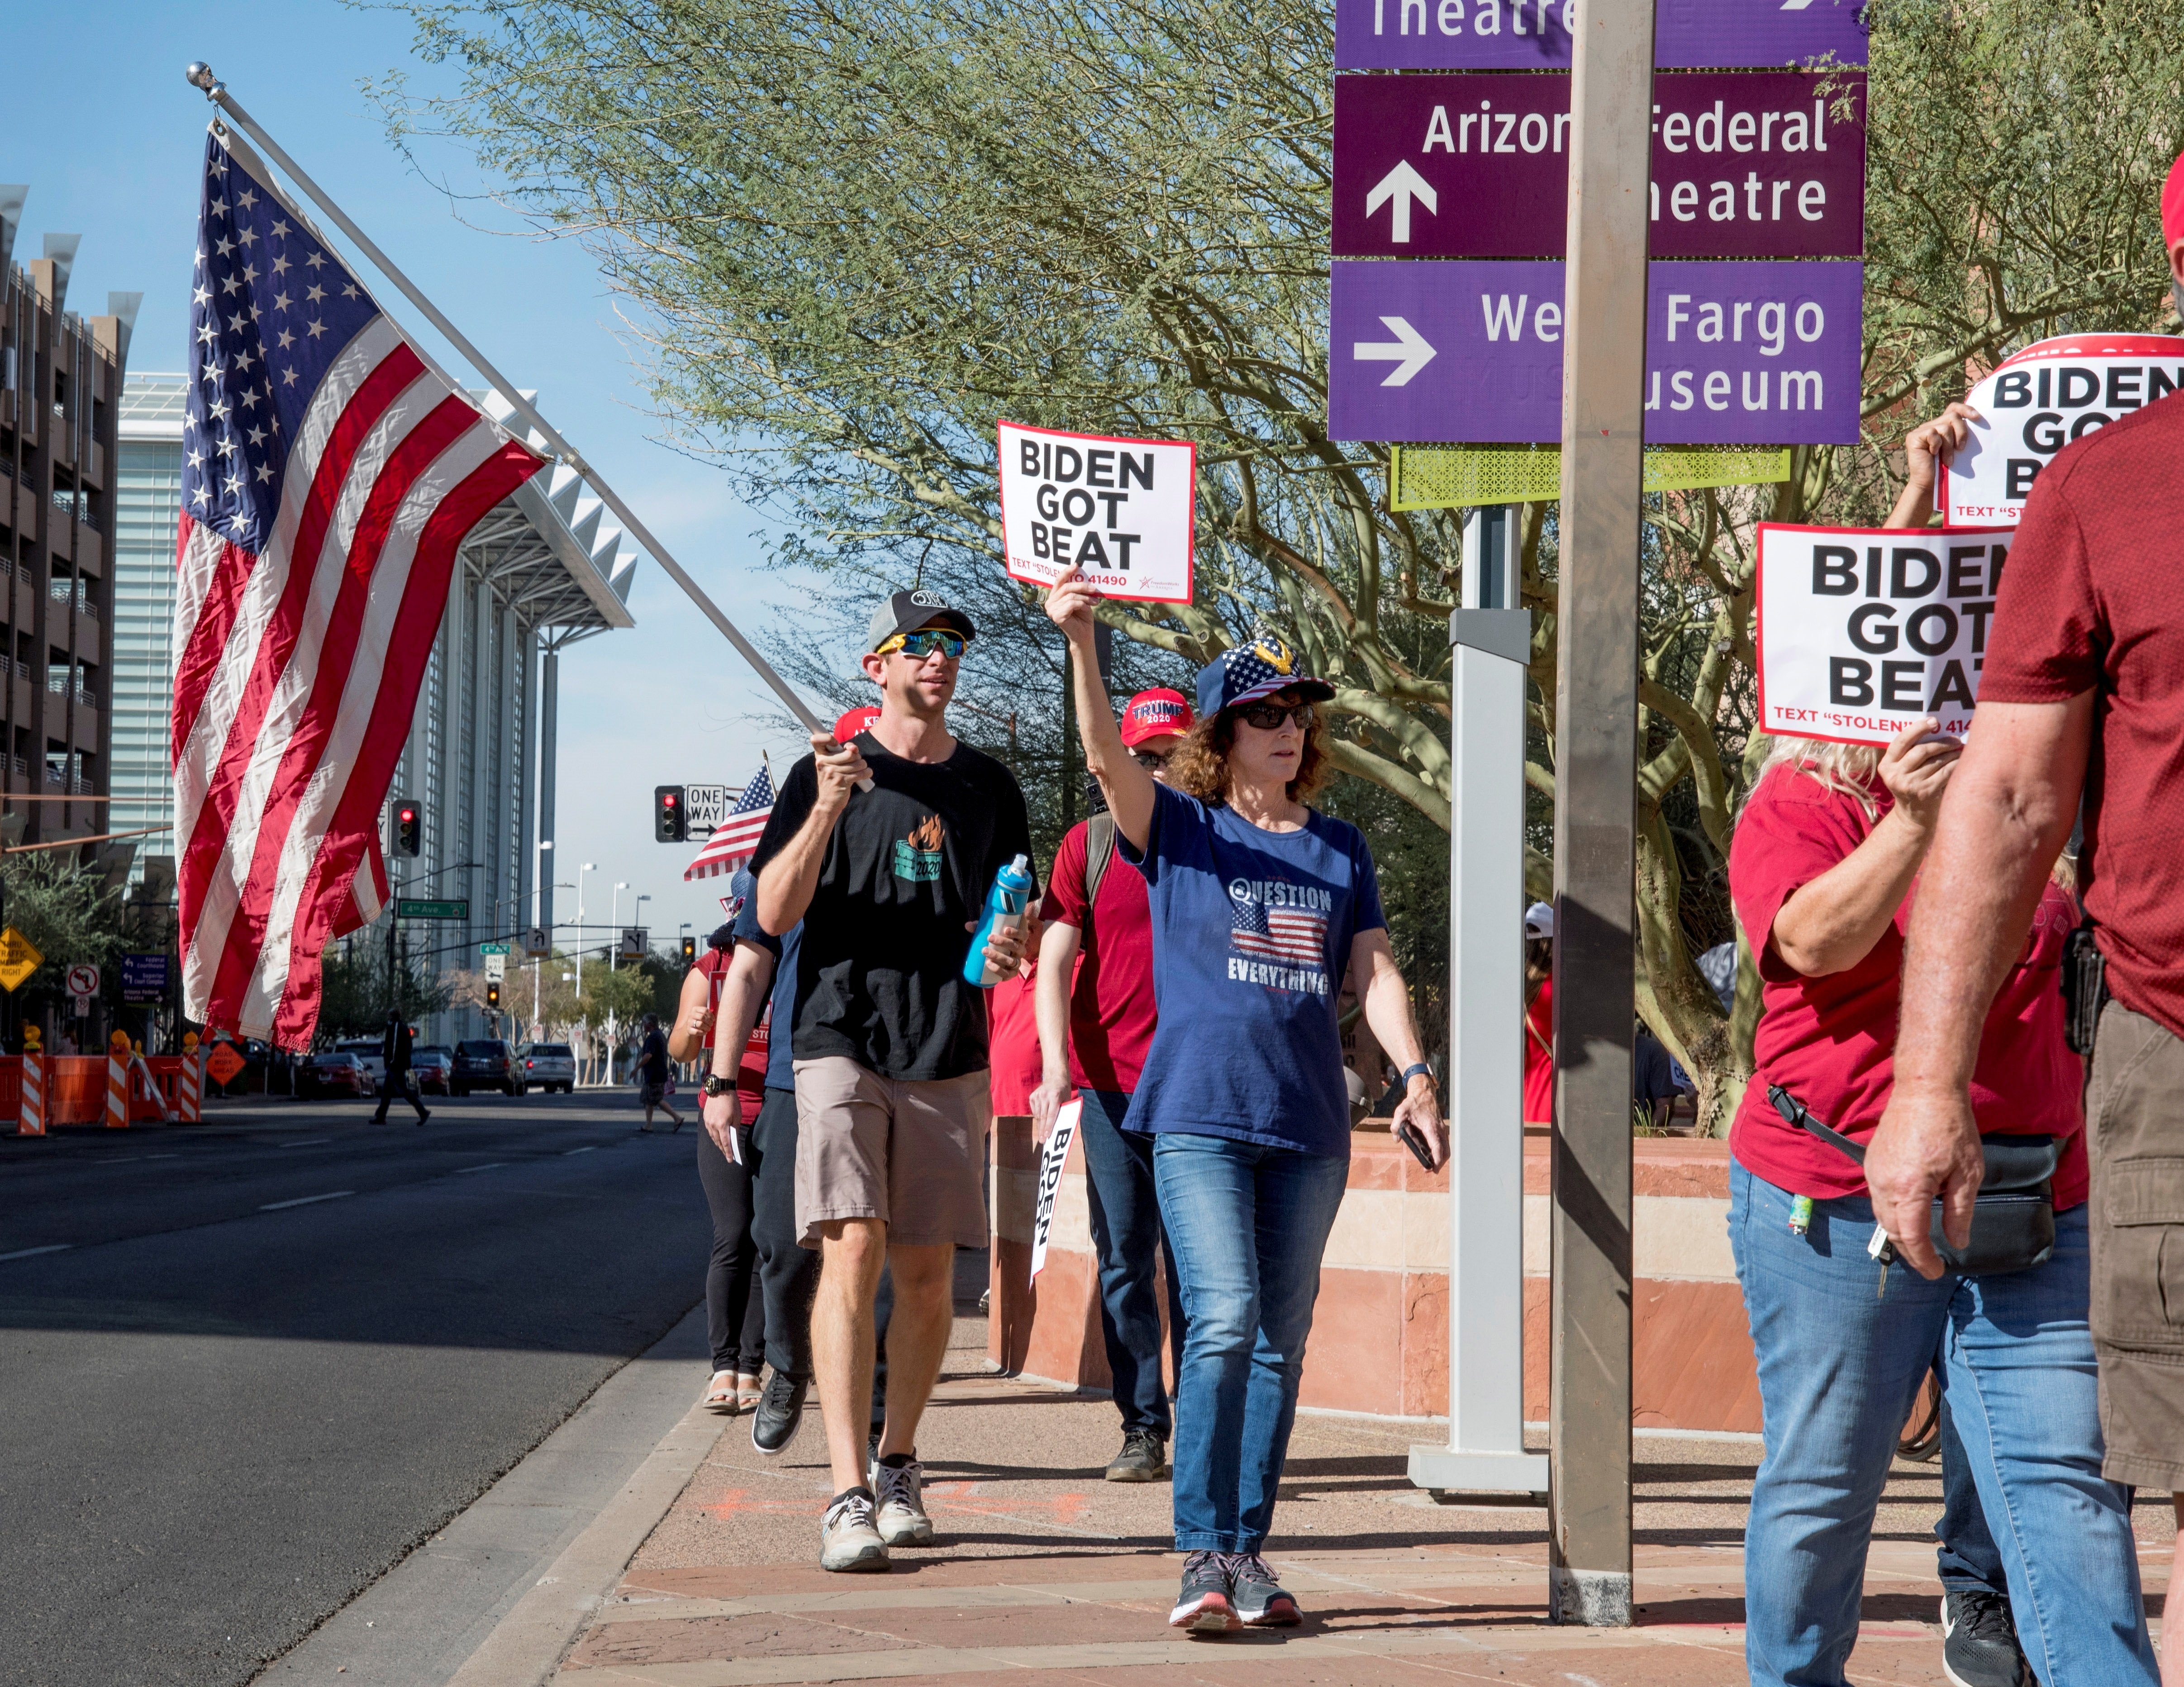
pixel 735 841
pixel 1283 933
pixel 330 473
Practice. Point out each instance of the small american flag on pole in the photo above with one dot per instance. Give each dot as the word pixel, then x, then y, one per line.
pixel 732 846
pixel 1280 933
pixel 330 473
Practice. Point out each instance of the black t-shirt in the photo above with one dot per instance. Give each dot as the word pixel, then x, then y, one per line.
pixel 652 1057
pixel 880 969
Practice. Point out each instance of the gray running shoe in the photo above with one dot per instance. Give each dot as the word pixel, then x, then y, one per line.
pixel 1978 1641
pixel 1144 1457
pixel 846 1538
pixel 1203 1606
pixel 902 1519
pixel 1260 1600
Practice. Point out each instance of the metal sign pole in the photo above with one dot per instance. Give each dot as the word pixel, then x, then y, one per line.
pixel 1597 759
pixel 201 76
pixel 1491 643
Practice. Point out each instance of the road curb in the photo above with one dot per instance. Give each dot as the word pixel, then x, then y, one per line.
pixel 527 1644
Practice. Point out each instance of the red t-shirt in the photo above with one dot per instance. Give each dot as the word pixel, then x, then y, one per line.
pixel 2093 600
pixel 750 1075
pixel 1539 1056
pixel 1012 1043
pixel 1112 1010
pixel 1832 1042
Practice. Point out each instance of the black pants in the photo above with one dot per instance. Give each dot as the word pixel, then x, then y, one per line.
pixel 393 1084
pixel 789 1271
pixel 735 1309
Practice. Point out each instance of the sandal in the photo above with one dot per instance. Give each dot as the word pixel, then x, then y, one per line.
pixel 722 1394
pixel 748 1390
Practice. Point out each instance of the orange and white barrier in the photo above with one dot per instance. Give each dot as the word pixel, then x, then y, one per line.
pixel 117 1092
pixel 189 1089
pixel 32 1121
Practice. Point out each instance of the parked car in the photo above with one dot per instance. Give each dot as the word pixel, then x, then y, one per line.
pixel 435 1067
pixel 365 1048
pixel 550 1065
pixel 335 1073
pixel 485 1063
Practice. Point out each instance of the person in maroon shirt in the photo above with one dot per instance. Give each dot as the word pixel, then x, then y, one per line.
pixel 1095 1022
pixel 2082 695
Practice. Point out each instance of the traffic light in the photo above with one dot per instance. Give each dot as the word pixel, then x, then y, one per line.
pixel 670 824
pixel 493 995
pixel 689 951
pixel 408 827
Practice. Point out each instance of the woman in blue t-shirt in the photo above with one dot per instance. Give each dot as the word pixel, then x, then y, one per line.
pixel 1259 905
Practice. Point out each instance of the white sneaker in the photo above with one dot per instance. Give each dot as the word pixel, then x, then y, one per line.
pixel 846 1538
pixel 902 1519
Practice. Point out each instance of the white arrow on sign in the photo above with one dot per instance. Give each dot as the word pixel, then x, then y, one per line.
pixel 1402 184
pixel 1408 351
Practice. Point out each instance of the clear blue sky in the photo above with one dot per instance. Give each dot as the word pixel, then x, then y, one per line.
pixel 108 134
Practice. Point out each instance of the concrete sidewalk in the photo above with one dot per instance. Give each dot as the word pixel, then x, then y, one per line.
pixel 1047 1574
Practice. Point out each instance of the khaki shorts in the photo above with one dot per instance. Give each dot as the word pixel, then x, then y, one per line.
pixel 2135 1128
pixel 909 1153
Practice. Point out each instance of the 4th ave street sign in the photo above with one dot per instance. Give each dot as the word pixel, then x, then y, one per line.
pixel 458 907
pixel 1744 165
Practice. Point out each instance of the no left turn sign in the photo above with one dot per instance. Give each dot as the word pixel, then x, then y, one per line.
pixel 83 980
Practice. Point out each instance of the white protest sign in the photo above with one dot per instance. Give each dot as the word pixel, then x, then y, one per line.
pixel 1050 1179
pixel 1863 630
pixel 2038 401
pixel 1121 511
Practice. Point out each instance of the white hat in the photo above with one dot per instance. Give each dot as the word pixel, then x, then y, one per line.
pixel 1540 921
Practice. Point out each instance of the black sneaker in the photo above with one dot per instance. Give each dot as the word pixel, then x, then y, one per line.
pixel 1203 1606
pixel 1144 1457
pixel 1978 1641
pixel 780 1413
pixel 1260 1601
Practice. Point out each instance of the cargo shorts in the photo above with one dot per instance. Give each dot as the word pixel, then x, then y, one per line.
pixel 908 1152
pixel 2135 1129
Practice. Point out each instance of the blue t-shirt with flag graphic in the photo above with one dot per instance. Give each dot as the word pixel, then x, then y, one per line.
pixel 1251 936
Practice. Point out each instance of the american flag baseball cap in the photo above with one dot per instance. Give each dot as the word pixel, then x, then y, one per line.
pixel 1152 713
pixel 1263 668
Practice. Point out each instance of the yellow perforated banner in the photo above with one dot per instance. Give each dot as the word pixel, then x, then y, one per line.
pixel 1459 476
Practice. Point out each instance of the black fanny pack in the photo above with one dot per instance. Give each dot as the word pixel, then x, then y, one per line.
pixel 2013 1219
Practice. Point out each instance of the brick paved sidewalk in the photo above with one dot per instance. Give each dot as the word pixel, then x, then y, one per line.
pixel 1045 1575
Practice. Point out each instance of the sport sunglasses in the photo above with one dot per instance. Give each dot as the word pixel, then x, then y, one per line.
pixel 919 645
pixel 1267 717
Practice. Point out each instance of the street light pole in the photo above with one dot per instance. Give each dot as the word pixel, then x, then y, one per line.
pixel 1589 1562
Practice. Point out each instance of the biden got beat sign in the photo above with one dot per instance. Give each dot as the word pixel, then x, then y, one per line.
pixel 1864 630
pixel 1119 512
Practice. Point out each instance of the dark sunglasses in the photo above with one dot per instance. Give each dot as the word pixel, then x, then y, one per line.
pixel 1267 717
pixel 1152 760
pixel 917 646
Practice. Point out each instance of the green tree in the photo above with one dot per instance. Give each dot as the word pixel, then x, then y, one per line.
pixel 360 986
pixel 855 236
pixel 70 912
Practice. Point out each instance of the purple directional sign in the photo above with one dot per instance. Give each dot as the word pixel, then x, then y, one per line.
pixel 1535 35
pixel 1462 353
pixel 1750 164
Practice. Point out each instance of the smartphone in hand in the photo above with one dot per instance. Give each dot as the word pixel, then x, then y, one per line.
pixel 1411 1140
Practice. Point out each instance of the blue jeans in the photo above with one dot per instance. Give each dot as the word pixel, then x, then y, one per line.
pixel 1127 1236
pixel 1839 1367
pixel 1248 1225
pixel 1969 1560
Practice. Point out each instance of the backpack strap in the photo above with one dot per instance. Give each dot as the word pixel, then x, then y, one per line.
pixel 1099 851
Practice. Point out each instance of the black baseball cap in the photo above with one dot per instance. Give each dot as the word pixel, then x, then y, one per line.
pixel 907 611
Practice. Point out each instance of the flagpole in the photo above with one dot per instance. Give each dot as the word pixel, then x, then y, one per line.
pixel 200 76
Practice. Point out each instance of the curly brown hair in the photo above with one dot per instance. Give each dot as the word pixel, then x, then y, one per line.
pixel 1200 766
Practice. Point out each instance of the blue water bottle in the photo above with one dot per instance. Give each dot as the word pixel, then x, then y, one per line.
pixel 1004 912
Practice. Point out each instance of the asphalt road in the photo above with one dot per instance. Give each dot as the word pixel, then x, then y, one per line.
pixel 246 1365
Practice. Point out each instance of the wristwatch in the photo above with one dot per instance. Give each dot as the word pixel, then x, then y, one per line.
pixel 1415 1069
pixel 716 1085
